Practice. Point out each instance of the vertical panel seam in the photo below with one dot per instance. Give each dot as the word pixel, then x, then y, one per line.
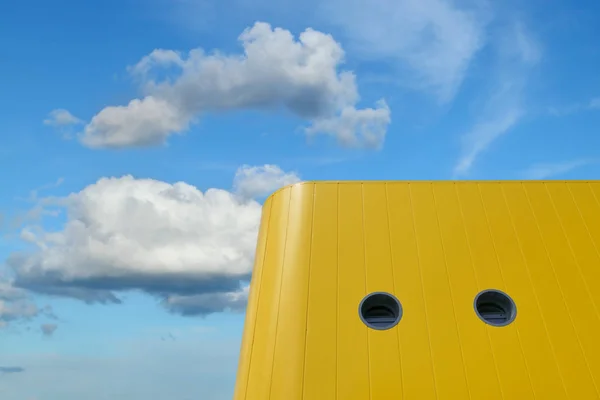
pixel 537 300
pixel 364 240
pixel 594 192
pixel 281 276
pixel 312 223
pixel 506 286
pixel 387 210
pixel 583 218
pixel 462 354
pixel 337 282
pixel 562 293
pixel 562 227
pixel 258 297
pixel 412 211
pixel 479 288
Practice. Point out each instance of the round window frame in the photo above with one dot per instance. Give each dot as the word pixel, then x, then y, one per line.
pixel 513 312
pixel 381 328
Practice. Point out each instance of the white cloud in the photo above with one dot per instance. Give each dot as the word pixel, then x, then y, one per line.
pixel 356 128
pixel 485 132
pixel 521 47
pixel 518 54
pixel 61 117
pixel 548 170
pixel 435 40
pixel 144 122
pixel 193 249
pixel 205 303
pixel 126 233
pixel 15 304
pixel 10 293
pixel 158 57
pixel 17 309
pixel 48 329
pixel 275 71
pixel 593 104
pixel 255 182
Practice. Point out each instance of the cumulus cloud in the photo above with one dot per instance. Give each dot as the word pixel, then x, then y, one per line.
pixel 48 329
pixel 126 233
pixel 518 54
pixel 144 122
pixel 276 71
pixel 192 249
pixel 433 40
pixel 356 128
pixel 260 181
pixel 429 44
pixel 60 118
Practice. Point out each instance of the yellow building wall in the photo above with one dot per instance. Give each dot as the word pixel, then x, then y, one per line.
pixel 434 245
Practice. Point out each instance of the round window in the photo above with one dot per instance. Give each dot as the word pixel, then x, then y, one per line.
pixel 495 308
pixel 380 311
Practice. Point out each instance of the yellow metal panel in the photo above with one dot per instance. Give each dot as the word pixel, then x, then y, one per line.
pixel 265 328
pixel 384 354
pixel 558 321
pixel 321 330
pixel 534 337
pixel 418 381
pixel 448 362
pixel 506 346
pixel 252 308
pixel 462 260
pixel 580 217
pixel 577 295
pixel 288 366
pixel 353 348
pixel 435 246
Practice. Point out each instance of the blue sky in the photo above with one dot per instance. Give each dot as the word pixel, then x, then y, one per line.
pixel 139 138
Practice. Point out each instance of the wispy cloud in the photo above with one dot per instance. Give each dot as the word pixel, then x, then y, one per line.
pixel 485 132
pixel 434 41
pixel 11 370
pixel 63 122
pixel 33 194
pixel 593 104
pixel 15 304
pixel 48 329
pixel 518 54
pixel 61 117
pixel 548 170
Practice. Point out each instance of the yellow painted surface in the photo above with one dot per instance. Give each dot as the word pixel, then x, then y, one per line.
pixel 323 246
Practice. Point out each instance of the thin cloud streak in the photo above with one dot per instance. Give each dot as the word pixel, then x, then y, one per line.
pixel 518 55
pixel 548 170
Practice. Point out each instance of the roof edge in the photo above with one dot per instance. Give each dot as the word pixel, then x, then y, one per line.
pixel 462 181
